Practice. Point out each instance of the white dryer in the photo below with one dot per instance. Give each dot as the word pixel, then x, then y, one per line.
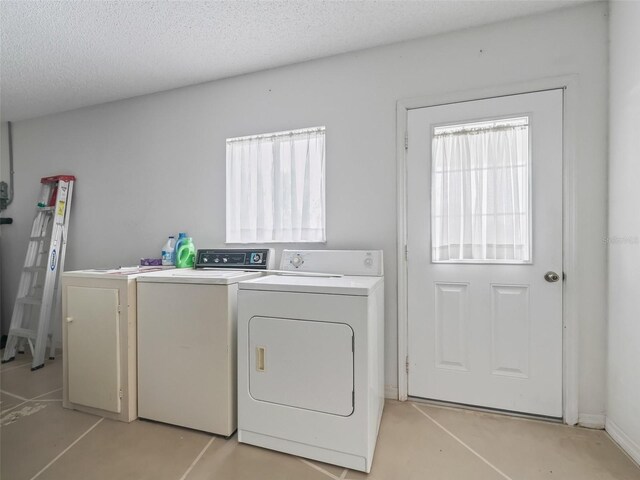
pixel 310 357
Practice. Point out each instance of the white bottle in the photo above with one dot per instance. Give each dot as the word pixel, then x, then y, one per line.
pixel 168 252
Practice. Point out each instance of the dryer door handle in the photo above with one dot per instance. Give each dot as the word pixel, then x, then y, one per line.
pixel 260 356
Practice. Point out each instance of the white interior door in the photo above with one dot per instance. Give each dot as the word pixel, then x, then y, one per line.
pixel 484 228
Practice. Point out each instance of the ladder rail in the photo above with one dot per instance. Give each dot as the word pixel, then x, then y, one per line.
pixel 53 263
pixel 57 310
pixel 48 237
pixel 26 281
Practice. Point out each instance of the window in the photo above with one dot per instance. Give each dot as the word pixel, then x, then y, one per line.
pixel 480 206
pixel 276 187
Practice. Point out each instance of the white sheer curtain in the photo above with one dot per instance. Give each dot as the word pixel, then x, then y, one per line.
pixel 480 192
pixel 275 187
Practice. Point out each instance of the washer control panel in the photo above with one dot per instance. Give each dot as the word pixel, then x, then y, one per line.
pixel 238 258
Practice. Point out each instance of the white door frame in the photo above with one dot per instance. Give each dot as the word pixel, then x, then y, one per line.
pixel 569 302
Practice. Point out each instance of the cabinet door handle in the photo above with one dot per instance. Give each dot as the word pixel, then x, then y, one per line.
pixel 69 319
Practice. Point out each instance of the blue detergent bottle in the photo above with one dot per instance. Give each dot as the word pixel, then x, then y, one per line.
pixel 181 237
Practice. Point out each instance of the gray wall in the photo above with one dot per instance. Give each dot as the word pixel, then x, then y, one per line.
pixel 623 402
pixel 153 165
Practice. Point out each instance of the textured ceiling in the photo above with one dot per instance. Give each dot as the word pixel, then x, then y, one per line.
pixel 58 56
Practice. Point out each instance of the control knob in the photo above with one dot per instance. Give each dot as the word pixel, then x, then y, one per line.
pixel 296 261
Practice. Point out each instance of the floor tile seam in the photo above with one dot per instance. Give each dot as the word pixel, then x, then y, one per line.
pixel 15 367
pixel 51 400
pixel 512 416
pixel 19 397
pixel 67 449
pixel 30 400
pixel 197 459
pixel 461 442
pixel 13 408
pixel 318 468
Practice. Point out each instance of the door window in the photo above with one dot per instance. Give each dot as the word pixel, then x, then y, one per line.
pixel 480 195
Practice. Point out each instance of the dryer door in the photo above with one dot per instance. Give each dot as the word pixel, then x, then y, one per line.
pixel 302 363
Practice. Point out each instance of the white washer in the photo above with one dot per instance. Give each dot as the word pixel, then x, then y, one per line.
pixel 187 348
pixel 310 357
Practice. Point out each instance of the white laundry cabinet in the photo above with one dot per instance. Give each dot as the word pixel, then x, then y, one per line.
pixel 99 343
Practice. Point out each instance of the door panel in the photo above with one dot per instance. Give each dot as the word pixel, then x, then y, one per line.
pixel 484 225
pixel 302 364
pixel 510 338
pixel 452 323
pixel 93 344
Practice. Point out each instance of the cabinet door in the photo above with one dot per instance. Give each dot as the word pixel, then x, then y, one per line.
pixel 93 344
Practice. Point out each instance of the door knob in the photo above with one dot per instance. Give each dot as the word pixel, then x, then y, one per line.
pixel 551 277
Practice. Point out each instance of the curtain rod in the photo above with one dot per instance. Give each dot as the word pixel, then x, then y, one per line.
pixel 477 130
pixel 289 133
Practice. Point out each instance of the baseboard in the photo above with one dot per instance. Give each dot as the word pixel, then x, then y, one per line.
pixel 590 420
pixel 391 391
pixel 626 443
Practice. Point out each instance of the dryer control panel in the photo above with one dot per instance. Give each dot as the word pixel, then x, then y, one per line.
pixel 237 258
pixel 344 262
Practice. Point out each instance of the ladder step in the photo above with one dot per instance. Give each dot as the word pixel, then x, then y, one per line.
pixel 35 269
pixel 22 332
pixel 44 237
pixel 29 300
pixel 46 209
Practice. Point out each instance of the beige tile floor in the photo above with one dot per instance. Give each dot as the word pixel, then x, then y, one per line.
pixel 41 440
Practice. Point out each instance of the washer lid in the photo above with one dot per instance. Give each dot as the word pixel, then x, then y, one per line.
pixel 208 277
pixel 347 285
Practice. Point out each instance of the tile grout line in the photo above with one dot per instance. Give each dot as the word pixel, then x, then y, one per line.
pixel 320 469
pixel 14 395
pixel 15 367
pixel 516 416
pixel 27 400
pixel 67 449
pixel 504 475
pixel 197 459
